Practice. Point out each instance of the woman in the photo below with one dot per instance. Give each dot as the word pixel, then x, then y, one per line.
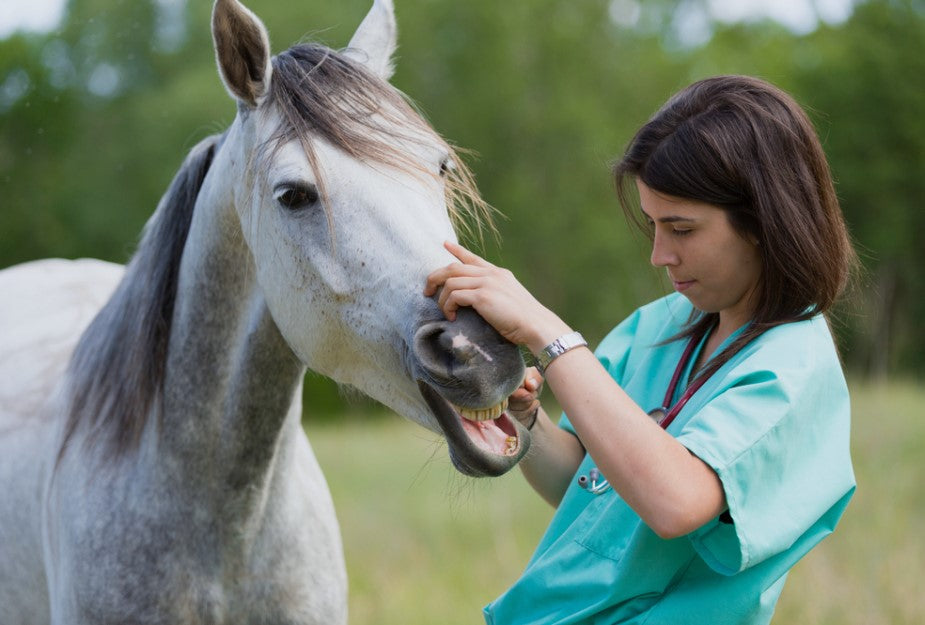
pixel 705 447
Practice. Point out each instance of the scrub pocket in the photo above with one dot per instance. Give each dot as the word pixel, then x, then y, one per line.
pixel 643 565
pixel 609 526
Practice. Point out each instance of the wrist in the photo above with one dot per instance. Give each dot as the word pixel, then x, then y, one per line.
pixel 545 333
pixel 557 347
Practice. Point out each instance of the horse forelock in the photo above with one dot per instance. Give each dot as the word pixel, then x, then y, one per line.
pixel 319 92
pixel 116 373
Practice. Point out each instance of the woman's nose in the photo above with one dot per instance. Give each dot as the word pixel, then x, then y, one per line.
pixel 662 253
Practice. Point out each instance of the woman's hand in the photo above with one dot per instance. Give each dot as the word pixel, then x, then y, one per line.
pixel 524 402
pixel 497 296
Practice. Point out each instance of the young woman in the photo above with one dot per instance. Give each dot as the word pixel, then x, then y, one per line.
pixel 704 447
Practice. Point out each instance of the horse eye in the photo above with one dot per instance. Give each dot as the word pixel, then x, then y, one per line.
pixel 296 197
pixel 446 166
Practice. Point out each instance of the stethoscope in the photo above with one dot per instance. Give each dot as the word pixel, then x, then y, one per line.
pixel 594 482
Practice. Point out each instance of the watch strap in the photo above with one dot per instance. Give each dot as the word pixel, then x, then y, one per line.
pixel 558 347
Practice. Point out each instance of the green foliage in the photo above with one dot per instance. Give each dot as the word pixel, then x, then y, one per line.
pixel 95 118
pixel 866 81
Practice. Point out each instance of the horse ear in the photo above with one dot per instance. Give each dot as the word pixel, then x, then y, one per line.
pixel 242 50
pixel 374 41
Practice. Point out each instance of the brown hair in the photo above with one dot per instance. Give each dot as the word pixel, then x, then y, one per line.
pixel 746 146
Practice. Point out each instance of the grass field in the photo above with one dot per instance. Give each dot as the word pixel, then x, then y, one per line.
pixel 425 545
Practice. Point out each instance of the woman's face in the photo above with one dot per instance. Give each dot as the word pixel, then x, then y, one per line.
pixel 707 261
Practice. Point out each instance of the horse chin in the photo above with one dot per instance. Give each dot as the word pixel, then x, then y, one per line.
pixel 478 448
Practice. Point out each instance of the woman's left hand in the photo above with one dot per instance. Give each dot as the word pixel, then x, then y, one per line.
pixel 497 296
pixel 524 402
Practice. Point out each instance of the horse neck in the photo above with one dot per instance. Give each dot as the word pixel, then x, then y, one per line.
pixel 231 381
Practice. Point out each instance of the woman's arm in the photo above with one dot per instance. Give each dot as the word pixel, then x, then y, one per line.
pixel 554 456
pixel 673 491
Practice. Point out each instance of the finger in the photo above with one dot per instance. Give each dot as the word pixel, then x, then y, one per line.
pixel 435 280
pixel 518 410
pixel 532 378
pixel 456 299
pixel 519 399
pixel 520 402
pixel 439 277
pixel 455 284
pixel 523 396
pixel 465 255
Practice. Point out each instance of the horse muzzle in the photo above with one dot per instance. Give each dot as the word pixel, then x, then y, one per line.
pixel 466 373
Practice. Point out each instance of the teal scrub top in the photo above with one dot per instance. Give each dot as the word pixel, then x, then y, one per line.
pixel 773 423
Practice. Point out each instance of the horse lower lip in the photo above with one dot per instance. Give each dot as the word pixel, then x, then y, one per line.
pixel 478 448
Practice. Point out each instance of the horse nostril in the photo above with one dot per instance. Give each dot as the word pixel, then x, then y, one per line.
pixel 463 353
pixel 457 347
pixel 446 351
pixel 443 340
pixel 451 347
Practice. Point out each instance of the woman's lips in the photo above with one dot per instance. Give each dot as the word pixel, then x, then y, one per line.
pixel 682 285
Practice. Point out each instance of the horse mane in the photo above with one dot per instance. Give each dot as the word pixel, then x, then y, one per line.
pixel 117 370
pixel 325 94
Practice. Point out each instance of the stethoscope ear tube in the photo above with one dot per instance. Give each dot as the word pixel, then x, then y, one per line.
pixel 593 482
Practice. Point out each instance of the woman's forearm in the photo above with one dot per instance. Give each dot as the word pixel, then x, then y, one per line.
pixel 553 458
pixel 673 491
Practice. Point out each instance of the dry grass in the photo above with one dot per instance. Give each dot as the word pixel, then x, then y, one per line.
pixel 869 572
pixel 425 545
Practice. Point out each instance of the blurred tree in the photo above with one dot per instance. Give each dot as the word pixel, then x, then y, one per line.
pixel 547 93
pixel 95 118
pixel 866 79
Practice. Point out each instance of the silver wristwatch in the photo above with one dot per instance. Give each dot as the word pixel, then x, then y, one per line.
pixel 558 347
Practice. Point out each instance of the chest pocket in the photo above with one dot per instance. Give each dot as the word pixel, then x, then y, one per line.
pixel 609 527
pixel 642 564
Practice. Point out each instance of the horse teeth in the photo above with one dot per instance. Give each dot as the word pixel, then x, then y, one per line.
pixel 483 414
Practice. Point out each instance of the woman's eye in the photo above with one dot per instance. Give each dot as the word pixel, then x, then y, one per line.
pixel 296 197
pixel 680 232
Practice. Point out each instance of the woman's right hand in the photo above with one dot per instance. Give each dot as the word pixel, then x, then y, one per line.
pixel 496 294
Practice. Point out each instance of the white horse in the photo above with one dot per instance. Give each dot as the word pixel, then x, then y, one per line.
pixel 153 468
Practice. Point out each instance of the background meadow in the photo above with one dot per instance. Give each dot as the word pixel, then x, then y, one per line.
pixel 425 545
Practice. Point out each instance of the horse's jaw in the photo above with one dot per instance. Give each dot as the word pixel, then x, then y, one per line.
pixel 483 448
pixel 465 372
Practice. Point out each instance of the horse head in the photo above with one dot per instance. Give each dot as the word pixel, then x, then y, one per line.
pixel 345 196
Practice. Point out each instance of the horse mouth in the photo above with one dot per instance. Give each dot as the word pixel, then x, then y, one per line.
pixel 482 442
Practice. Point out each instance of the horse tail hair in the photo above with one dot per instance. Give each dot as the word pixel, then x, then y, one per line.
pixel 116 373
